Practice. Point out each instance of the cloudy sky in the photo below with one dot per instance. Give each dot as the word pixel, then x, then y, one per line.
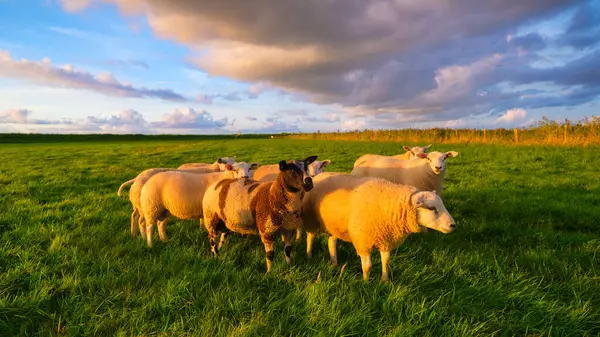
pixel 205 66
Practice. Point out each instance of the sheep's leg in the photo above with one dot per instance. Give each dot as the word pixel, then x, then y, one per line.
pixel 310 237
pixel 162 229
pixel 331 243
pixel 385 261
pixel 211 222
pixel 224 236
pixel 142 226
pixel 298 234
pixel 365 260
pixel 269 252
pixel 286 237
pixel 150 221
pixel 135 217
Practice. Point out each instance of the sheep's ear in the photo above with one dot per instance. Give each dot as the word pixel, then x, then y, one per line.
pixel 427 147
pixel 220 161
pixel 310 159
pixel 326 162
pixel 451 154
pixel 422 155
pixel 253 166
pixel 406 148
pixel 418 199
pixel 229 167
pixel 283 165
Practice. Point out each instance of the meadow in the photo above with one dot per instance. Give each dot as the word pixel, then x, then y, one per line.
pixel 524 260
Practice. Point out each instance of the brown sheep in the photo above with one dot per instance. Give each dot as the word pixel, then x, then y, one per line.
pixel 246 206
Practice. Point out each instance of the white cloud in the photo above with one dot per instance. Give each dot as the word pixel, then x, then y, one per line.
pixel 188 118
pixel 512 116
pixel 45 73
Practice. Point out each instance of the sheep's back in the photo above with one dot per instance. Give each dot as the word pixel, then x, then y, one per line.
pixel 266 173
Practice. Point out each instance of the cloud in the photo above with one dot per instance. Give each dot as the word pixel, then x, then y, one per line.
pixel 512 116
pixel 251 118
pixel 422 60
pixel 189 118
pixel 327 118
pixel 23 116
pixel 45 73
pixel 124 122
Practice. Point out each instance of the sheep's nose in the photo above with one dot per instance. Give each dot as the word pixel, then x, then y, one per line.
pixel 438 168
pixel 452 225
pixel 246 177
pixel 308 181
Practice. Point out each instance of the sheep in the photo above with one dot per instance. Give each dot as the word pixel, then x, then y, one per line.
pixel 269 173
pixel 135 191
pixel 426 173
pixel 410 154
pixel 370 213
pixel 179 193
pixel 217 166
pixel 247 206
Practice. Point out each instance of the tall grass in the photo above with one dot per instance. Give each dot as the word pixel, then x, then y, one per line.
pixel 545 132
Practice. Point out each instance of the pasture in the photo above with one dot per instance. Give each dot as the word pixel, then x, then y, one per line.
pixel 524 259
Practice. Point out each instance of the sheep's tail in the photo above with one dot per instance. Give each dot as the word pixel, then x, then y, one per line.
pixel 125 184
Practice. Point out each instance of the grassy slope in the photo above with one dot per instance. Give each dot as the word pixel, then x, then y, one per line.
pixel 523 260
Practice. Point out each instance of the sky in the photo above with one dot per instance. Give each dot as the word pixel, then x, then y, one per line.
pixel 263 66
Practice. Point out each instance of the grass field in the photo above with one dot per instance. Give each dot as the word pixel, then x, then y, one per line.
pixel 524 260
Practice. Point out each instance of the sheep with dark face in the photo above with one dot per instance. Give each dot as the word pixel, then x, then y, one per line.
pixel 247 206
pixel 269 173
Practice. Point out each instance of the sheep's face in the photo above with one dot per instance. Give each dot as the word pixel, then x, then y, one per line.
pixel 317 167
pixel 415 151
pixel 432 213
pixel 223 161
pixel 437 160
pixel 295 173
pixel 241 169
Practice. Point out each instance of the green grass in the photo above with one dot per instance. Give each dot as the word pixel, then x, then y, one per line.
pixel 524 259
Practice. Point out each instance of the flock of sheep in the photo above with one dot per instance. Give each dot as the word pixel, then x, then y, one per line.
pixel 378 205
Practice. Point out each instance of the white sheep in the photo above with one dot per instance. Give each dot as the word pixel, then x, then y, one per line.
pixel 179 193
pixel 426 173
pixel 218 165
pixel 270 208
pixel 410 154
pixel 269 173
pixel 137 218
pixel 370 213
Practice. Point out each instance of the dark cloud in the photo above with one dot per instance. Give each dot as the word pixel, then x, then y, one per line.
pixel 417 61
pixel 45 73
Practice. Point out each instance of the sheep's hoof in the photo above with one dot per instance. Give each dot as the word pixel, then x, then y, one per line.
pixel 385 279
pixel 288 260
pixel 333 262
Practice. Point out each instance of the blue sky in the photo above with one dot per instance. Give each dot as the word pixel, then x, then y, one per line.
pixel 183 66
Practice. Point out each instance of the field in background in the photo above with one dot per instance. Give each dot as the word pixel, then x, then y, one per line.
pixel 545 132
pixel 524 259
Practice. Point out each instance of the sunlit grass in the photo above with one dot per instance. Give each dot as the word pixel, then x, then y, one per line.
pixel 524 259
